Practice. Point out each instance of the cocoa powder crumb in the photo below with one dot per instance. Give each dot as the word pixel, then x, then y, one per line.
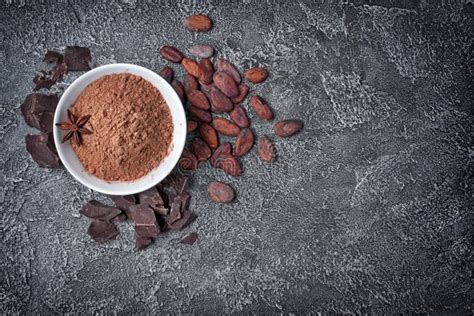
pixel 132 127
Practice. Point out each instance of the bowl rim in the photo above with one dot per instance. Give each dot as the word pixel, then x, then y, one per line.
pixel 177 142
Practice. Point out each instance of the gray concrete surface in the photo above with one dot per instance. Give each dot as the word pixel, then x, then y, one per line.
pixel 368 210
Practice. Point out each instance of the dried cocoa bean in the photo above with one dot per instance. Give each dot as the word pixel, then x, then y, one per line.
pixel 225 148
pixel 206 89
pixel 198 99
pixel 239 116
pixel 188 161
pixel 167 73
pixel 190 83
pixel 225 127
pixel 226 66
pixel 226 84
pixel 198 23
pixel 220 192
pixel 256 74
pixel 266 149
pixel 261 108
pixel 287 128
pixel 202 51
pixel 201 115
pixel 219 101
pixel 229 164
pixel 191 67
pixel 200 149
pixel 209 135
pixel 243 142
pixel 243 91
pixel 178 87
pixel 191 126
pixel 171 53
pixel 207 71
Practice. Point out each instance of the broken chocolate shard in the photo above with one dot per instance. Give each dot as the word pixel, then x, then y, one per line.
pixel 59 70
pixel 39 146
pixel 178 183
pixel 189 239
pixel 186 218
pixel 53 57
pixel 145 221
pixel 42 82
pixel 35 107
pixel 152 197
pixel 102 231
pixel 175 212
pixel 142 242
pixel 96 210
pixel 78 58
pixel 124 203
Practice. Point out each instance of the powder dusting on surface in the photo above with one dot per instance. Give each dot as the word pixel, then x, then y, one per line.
pixel 132 127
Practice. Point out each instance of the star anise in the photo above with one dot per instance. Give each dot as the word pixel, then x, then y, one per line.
pixel 75 128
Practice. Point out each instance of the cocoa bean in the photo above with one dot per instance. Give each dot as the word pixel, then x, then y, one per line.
pixel 226 66
pixel 209 135
pixel 207 71
pixel 239 116
pixel 287 128
pixel 190 83
pixel 219 101
pixel 243 91
pixel 229 164
pixel 178 87
pixel 200 149
pixel 243 142
pixel 188 161
pixel 198 99
pixel 220 192
pixel 167 73
pixel 256 74
pixel 191 67
pixel 202 51
pixel 226 84
pixel 225 127
pixel 198 23
pixel 201 115
pixel 266 149
pixel 261 108
pixel 225 148
pixel 191 126
pixel 171 53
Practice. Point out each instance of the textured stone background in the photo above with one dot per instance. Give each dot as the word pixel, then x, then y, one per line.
pixel 369 209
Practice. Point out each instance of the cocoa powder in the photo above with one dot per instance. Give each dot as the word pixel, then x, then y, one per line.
pixel 132 127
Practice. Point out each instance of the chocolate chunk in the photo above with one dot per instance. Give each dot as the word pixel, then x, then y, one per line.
pixel 175 212
pixel 42 151
pixel 186 218
pixel 38 111
pixel 96 210
pixel 145 221
pixel 152 197
pixel 142 242
pixel 102 231
pixel 189 239
pixel 124 203
pixel 53 57
pixel 178 183
pixel 42 82
pixel 78 58
pixel 59 70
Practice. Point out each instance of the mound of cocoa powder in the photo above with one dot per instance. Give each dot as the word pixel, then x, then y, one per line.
pixel 132 127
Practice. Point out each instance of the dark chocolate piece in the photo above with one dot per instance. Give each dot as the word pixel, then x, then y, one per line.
pixel 53 57
pixel 59 70
pixel 145 221
pixel 39 146
pixel 38 111
pixel 189 239
pixel 151 197
pixel 78 58
pixel 124 203
pixel 41 81
pixel 102 231
pixel 96 210
pixel 175 212
pixel 186 218
pixel 142 242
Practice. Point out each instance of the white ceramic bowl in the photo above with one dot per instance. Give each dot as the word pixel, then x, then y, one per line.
pixel 72 163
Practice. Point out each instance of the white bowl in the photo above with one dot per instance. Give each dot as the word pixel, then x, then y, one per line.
pixel 72 163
